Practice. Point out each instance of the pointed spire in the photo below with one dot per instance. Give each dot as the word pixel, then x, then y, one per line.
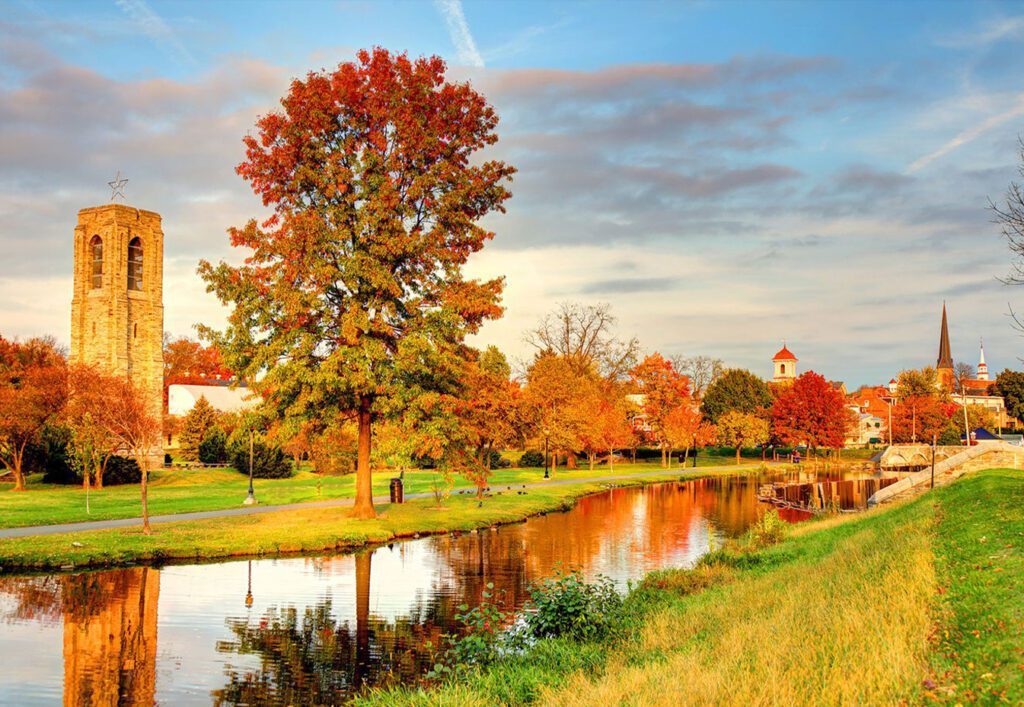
pixel 982 366
pixel 945 357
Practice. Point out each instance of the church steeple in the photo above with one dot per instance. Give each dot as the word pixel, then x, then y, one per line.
pixel 982 366
pixel 945 357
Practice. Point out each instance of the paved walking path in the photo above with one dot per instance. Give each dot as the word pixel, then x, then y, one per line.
pixel 28 531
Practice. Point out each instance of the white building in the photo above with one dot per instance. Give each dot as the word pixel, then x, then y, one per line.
pixel 182 398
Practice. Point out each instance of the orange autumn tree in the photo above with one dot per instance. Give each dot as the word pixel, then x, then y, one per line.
pixel 812 412
pixel 664 389
pixel 488 414
pixel 33 388
pixel 686 429
pixel 353 301
pixel 555 403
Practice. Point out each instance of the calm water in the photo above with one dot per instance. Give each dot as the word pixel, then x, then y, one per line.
pixel 313 630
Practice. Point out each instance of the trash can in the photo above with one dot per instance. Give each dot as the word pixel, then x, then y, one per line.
pixel 397 493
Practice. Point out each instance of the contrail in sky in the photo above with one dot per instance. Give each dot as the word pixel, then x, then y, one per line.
pixel 968 135
pixel 451 10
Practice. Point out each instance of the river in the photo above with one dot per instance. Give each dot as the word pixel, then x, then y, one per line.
pixel 309 630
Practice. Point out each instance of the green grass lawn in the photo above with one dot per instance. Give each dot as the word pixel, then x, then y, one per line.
pixel 181 491
pixel 302 529
pixel 908 604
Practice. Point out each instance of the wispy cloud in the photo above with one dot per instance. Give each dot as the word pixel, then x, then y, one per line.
pixel 992 31
pixel 154 26
pixel 522 41
pixel 458 28
pixel 970 134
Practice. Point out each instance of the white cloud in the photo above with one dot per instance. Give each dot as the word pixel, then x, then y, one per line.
pixel 458 28
pixel 994 30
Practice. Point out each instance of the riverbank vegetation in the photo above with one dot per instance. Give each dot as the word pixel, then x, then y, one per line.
pixel 176 490
pixel 911 603
pixel 311 529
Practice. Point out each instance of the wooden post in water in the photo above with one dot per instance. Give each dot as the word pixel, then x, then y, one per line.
pixel 934 441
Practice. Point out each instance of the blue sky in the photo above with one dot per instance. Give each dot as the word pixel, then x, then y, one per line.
pixel 726 175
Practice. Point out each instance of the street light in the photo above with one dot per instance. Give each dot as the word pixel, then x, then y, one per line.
pixel 547 475
pixel 248 592
pixel 250 500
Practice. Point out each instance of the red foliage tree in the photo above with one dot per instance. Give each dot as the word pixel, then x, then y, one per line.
pixel 811 412
pixel 920 418
pixel 353 301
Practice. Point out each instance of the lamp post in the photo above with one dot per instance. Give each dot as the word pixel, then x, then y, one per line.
pixel 547 475
pixel 248 591
pixel 250 500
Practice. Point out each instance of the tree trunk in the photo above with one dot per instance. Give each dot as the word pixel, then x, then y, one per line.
pixel 739 449
pixel 632 453
pixel 664 462
pixel 16 459
pixel 682 459
pixel 100 470
pixel 141 461
pixel 363 506
pixel 611 460
pixel 590 457
pixel 570 460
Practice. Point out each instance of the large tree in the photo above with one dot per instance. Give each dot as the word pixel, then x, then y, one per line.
pixel 736 390
pixel 584 335
pixel 1010 384
pixel 353 300
pixel 812 412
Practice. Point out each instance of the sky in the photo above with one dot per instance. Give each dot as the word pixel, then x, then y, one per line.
pixel 725 175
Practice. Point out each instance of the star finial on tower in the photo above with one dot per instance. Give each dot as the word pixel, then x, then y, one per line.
pixel 117 187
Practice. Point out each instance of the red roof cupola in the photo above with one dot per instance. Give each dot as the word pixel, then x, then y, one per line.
pixel 784 354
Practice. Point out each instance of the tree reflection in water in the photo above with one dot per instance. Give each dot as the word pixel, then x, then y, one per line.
pixel 312 658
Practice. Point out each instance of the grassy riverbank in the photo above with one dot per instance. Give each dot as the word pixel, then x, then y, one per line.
pixel 305 530
pixel 181 491
pixel 912 603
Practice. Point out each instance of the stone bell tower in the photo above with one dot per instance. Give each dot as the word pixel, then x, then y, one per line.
pixel 117 310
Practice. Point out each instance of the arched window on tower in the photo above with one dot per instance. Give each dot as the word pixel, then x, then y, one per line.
pixel 135 264
pixel 782 367
pixel 96 250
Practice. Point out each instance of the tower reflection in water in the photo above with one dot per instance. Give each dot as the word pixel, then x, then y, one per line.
pixel 318 629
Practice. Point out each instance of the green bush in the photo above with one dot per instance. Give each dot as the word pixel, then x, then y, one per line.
pixel 213 449
pixel 120 471
pixel 566 605
pixel 498 461
pixel 267 462
pixel 531 459
pixel 54 450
